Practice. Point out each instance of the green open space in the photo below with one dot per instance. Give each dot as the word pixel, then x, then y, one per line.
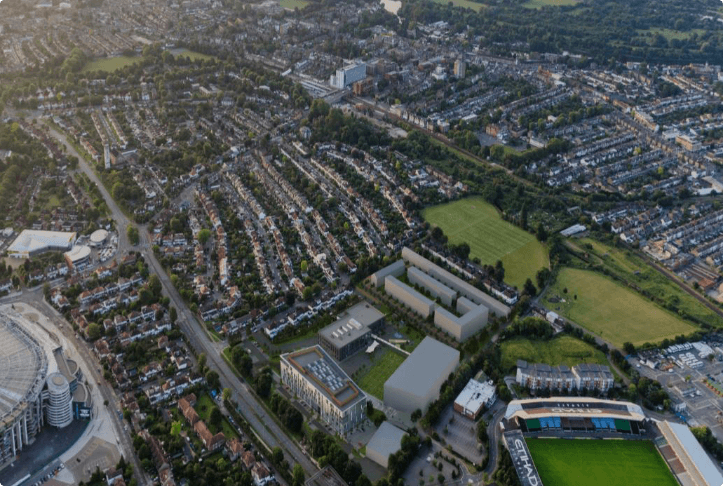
pixel 562 350
pixel 292 4
pixel 670 34
pixel 610 310
pixel 490 238
pixel 586 462
pixel 192 55
pixel 110 64
pixel 549 3
pixel 634 270
pixel 203 407
pixel 463 4
pixel 383 365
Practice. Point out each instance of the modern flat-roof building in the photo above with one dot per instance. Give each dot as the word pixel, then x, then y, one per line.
pixel 580 377
pixel 699 468
pixel 450 280
pixel 352 331
pixel 31 242
pixel 474 398
pixel 313 376
pixel 465 326
pixel 396 269
pixel 415 384
pixel 78 257
pixel 436 288
pixel 408 296
pixel 386 441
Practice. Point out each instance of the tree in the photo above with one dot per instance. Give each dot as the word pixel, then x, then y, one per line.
pixel 212 379
pixel 629 348
pixel 155 286
pixel 277 455
pixel 201 362
pixel 529 288
pixel 174 315
pixel 203 236
pixel 93 331
pixel 541 233
pixel 226 394
pixel 304 265
pixel 298 475
pixel 133 236
pixel 215 418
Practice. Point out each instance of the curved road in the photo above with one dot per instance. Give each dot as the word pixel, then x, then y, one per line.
pixel 266 429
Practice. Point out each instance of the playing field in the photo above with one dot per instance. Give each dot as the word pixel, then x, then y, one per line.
pixel 292 4
pixel 564 349
pixel 110 64
pixel 549 3
pixel 610 310
pixel 586 462
pixel 382 367
pixel 490 238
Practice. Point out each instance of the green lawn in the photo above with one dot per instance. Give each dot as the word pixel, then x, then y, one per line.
pixel 586 462
pixel 490 237
pixel 383 365
pixel 670 34
pixel 203 407
pixel 610 310
pixel 463 4
pixel 110 64
pixel 549 3
pixel 565 350
pixel 292 4
pixel 631 268
pixel 193 55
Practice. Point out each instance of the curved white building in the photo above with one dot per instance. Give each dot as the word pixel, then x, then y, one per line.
pixel 59 408
pixel 23 368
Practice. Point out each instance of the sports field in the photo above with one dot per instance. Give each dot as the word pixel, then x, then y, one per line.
pixel 586 462
pixel 610 310
pixel 376 374
pixel 490 238
pixel 110 64
pixel 549 3
pixel 564 349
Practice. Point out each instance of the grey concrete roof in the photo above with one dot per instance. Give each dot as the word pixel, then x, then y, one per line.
pixel 345 329
pixel 386 440
pixel 416 374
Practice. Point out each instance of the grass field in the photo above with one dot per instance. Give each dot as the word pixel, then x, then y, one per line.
pixel 292 4
pixel 549 3
pixel 463 4
pixel 193 55
pixel 586 462
pixel 490 237
pixel 372 381
pixel 610 310
pixel 562 350
pixel 110 64
pixel 670 34
pixel 631 268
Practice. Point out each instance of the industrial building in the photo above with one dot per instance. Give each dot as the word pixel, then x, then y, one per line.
pixel 31 242
pixel 416 383
pixel 475 397
pixel 348 75
pixel 315 378
pixel 386 441
pixel 409 297
pixel 580 377
pixel 352 331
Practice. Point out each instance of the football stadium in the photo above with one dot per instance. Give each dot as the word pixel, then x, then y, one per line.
pixel 581 441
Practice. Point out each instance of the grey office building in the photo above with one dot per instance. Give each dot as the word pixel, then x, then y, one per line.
pixel 352 331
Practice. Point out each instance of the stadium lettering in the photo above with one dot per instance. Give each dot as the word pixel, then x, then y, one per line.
pixel 527 465
pixel 575 410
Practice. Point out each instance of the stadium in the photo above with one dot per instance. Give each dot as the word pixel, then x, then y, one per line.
pixel 565 441
pixel 39 386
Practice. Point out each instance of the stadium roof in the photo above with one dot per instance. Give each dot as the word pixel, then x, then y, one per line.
pixel 351 324
pixel 573 407
pixel 416 374
pixel 23 367
pixel 705 469
pixel 31 241
pixel 326 376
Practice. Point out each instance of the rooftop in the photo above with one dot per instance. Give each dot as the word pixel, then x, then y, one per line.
pixel 351 324
pixel 30 241
pixel 386 440
pixel 475 395
pixel 426 361
pixel 325 375
pixel 573 406
pixel 685 438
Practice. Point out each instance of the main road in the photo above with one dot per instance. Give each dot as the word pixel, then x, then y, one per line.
pixel 265 427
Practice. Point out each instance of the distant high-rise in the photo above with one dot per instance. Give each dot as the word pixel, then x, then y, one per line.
pixel 459 68
pixel 348 75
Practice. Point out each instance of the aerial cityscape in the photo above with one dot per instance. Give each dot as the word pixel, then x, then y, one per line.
pixel 361 243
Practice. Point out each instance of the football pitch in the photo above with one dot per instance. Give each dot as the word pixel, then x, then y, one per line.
pixel 490 238
pixel 590 462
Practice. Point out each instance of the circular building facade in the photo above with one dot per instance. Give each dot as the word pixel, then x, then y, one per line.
pixel 59 410
pixel 98 237
pixel 23 369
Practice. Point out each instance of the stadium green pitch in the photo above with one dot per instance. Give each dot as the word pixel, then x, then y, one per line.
pixel 591 462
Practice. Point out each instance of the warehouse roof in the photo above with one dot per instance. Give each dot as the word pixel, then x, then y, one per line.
pixel 386 440
pixel 32 241
pixel 352 324
pixel 416 374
